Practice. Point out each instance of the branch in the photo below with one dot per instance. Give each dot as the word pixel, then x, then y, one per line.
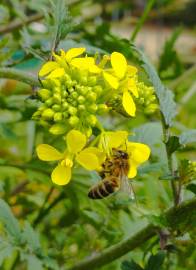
pixel 19 75
pixel 18 24
pixel 178 218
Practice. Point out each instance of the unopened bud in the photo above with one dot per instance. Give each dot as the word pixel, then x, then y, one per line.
pixel 58 116
pixel 49 102
pixel 58 129
pixel 92 120
pixel 56 107
pixel 47 114
pixel 102 108
pixel 92 80
pixel 91 96
pixel 81 99
pixel 92 108
pixel 72 110
pixel 44 94
pixel 73 121
pixel 57 98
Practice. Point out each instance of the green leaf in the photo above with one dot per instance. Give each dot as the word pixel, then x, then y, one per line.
pixel 32 238
pixel 5 251
pixel 173 144
pixel 188 136
pixel 155 261
pixel 130 265
pixel 164 95
pixel 192 188
pixel 33 263
pixel 168 176
pixel 9 221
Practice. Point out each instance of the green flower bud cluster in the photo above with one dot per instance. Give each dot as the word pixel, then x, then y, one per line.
pixel 187 171
pixel 70 102
pixel 146 99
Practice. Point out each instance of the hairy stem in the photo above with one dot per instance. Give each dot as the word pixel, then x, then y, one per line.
pixel 18 75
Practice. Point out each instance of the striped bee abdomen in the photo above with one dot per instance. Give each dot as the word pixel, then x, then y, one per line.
pixel 104 188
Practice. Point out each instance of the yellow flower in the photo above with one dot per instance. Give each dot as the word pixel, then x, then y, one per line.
pixel 64 60
pixel 90 158
pixel 138 152
pixel 122 77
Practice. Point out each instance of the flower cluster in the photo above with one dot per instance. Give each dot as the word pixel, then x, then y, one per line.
pixel 77 89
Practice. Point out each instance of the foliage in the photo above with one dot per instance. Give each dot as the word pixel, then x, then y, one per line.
pixel 46 226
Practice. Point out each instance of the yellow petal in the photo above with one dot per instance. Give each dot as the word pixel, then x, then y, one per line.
pixel 47 152
pixel 94 69
pixel 131 70
pixel 97 152
pixel 83 63
pixel 47 68
pixel 128 103
pixel 133 169
pixel 133 87
pixel 119 64
pixel 88 160
pixel 59 72
pixel 111 139
pixel 74 52
pixel 75 141
pixel 61 175
pixel 111 80
pixel 139 152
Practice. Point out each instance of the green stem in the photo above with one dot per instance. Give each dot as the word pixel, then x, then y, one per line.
pixel 175 216
pixel 142 19
pixel 18 75
pixel 166 136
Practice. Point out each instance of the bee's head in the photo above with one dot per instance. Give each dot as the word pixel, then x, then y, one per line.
pixel 120 154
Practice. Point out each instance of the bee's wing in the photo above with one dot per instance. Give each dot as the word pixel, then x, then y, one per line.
pixel 125 186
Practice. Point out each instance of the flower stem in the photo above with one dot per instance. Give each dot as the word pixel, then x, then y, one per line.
pixel 19 75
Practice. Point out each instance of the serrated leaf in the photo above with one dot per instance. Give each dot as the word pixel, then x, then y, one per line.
pixel 173 144
pixel 164 95
pixel 32 238
pixel 33 263
pixel 130 265
pixel 155 261
pixel 9 221
pixel 5 251
pixel 188 136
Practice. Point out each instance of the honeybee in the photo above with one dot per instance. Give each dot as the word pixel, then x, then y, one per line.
pixel 114 175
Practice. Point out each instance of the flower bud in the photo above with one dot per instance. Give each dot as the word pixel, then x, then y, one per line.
pixel 83 90
pixel 81 99
pixel 58 129
pixel 72 110
pixel 47 114
pixel 57 90
pixel 73 121
pixel 151 108
pixel 91 96
pixel 81 107
pixel 97 89
pixel 58 117
pixel 92 120
pixel 44 94
pixel 92 108
pixel 88 132
pixel 36 115
pixel 74 95
pixel 102 108
pixel 57 98
pixel 65 105
pixel 64 93
pixel 49 102
pixel 56 107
